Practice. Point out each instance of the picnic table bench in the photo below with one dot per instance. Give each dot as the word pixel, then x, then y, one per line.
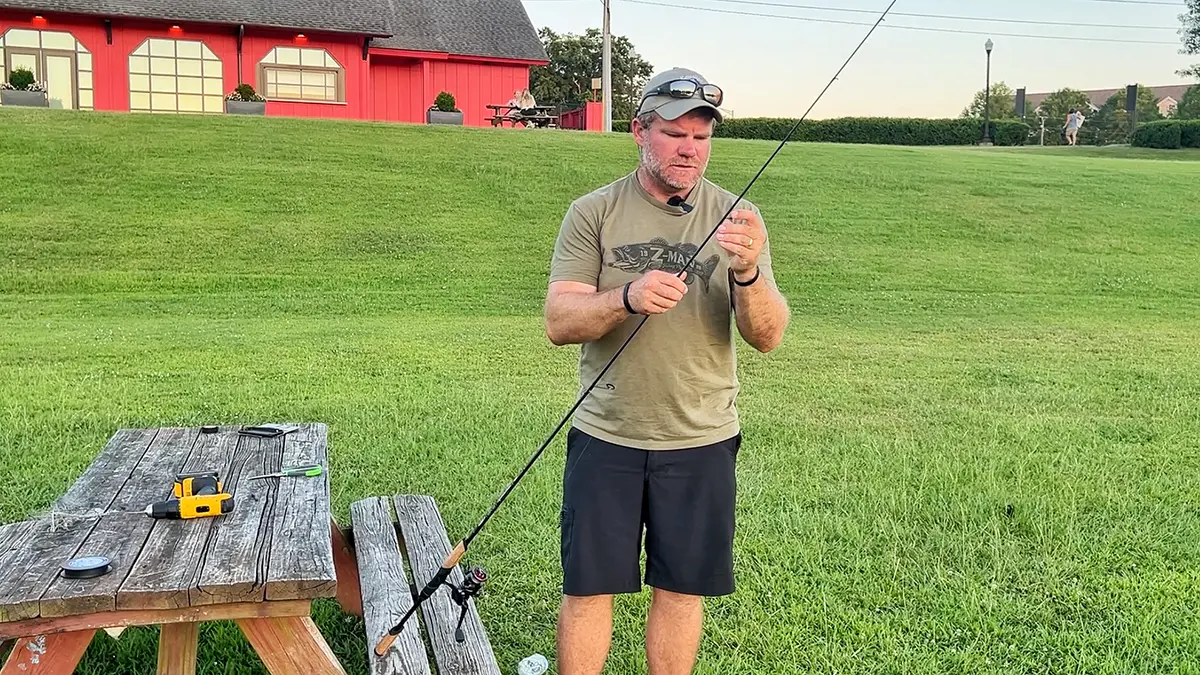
pixel 261 565
pixel 543 117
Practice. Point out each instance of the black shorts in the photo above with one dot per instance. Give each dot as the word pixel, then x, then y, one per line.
pixel 685 500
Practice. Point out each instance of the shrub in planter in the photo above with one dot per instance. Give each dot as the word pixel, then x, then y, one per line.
pixel 23 90
pixel 443 110
pixel 21 79
pixel 245 101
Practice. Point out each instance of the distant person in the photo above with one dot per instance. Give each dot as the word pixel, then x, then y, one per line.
pixel 1074 123
pixel 524 106
pixel 655 445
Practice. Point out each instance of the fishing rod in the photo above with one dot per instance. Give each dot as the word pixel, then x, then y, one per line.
pixel 473 581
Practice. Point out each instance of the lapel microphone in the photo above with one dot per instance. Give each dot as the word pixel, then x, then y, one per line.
pixel 678 201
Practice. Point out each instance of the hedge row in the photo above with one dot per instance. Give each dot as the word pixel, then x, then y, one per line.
pixel 877 130
pixel 1168 134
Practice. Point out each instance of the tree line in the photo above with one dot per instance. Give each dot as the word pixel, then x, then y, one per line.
pixel 576 59
pixel 1107 125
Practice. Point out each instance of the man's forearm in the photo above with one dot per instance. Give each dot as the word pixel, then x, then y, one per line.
pixel 575 318
pixel 762 314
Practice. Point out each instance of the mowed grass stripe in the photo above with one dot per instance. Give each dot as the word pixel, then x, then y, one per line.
pixel 971 330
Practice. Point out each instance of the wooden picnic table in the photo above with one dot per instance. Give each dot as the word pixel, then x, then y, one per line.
pixel 261 565
pixel 542 118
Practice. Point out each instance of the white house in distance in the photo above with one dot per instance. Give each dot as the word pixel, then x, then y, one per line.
pixel 1167 97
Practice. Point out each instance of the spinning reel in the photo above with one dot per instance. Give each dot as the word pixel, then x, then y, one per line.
pixel 471 587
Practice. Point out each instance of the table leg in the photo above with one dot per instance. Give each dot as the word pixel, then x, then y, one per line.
pixel 55 654
pixel 349 593
pixel 290 645
pixel 177 645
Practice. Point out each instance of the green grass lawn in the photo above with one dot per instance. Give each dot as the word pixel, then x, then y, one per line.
pixel 971 329
pixel 1108 151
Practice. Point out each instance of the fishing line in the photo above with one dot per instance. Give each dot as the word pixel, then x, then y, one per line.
pixel 451 562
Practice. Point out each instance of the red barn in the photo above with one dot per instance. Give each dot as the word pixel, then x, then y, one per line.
pixel 362 59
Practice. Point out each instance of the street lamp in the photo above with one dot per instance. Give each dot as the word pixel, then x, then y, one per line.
pixel 987 98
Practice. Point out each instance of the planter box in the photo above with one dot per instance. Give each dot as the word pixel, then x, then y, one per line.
pixel 441 117
pixel 246 107
pixel 32 99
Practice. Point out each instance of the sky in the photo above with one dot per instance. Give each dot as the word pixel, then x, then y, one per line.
pixel 771 66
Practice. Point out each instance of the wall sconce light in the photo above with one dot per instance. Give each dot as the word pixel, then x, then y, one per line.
pixel 40 21
pixel 175 30
pixel 301 39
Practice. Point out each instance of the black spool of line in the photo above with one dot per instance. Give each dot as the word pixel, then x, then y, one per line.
pixel 86 568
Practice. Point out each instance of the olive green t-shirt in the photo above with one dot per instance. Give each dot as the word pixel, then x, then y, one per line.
pixel 676 383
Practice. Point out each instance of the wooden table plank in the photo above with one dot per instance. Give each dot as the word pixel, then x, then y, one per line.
pixel 117 537
pixel 57 654
pixel 291 646
pixel 123 619
pixel 177 647
pixel 154 617
pixel 121 534
pixel 107 474
pixel 152 583
pixel 349 594
pixel 24 544
pixel 301 565
pixel 428 545
pixel 150 480
pixel 234 564
pixel 49 542
pixel 12 537
pixel 31 568
pixel 386 594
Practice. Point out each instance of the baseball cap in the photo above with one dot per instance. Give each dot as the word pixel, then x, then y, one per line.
pixel 672 107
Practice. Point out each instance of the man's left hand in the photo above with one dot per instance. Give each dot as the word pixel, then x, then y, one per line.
pixel 743 235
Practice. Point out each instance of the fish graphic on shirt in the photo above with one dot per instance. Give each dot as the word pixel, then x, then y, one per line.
pixel 659 254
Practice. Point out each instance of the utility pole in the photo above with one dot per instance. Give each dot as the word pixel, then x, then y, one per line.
pixel 607 74
pixel 987 98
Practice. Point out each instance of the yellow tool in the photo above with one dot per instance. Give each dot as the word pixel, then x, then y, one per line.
pixel 197 506
pixel 197 495
pixel 201 483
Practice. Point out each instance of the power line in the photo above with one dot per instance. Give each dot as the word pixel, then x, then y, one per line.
pixel 919 28
pixel 945 16
pixel 1121 2
pixel 1141 2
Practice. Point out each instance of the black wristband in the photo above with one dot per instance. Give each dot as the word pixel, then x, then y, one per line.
pixel 625 298
pixel 757 272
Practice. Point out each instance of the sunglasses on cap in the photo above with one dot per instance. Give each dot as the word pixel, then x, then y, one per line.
pixel 687 89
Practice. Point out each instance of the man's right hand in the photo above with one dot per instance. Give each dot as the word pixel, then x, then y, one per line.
pixel 656 292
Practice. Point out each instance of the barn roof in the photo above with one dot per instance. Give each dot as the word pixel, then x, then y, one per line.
pixel 496 28
pixel 484 27
pixel 330 15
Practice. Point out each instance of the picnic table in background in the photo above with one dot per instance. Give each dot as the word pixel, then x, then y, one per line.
pixel 542 118
pixel 260 565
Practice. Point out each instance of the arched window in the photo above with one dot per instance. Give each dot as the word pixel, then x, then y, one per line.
pixel 175 76
pixel 301 74
pixel 55 58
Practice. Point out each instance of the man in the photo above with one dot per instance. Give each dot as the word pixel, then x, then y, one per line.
pixel 654 443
